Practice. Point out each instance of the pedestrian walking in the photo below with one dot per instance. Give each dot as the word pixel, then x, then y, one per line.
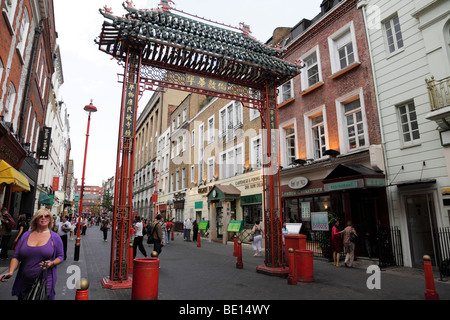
pixel 169 226
pixel 257 238
pixel 157 234
pixel 104 228
pixel 23 227
pixel 7 225
pixel 38 248
pixel 138 238
pixel 64 228
pixel 336 243
pixel 349 244
pixel 195 231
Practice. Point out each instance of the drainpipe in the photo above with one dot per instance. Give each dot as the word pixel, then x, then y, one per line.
pixel 38 32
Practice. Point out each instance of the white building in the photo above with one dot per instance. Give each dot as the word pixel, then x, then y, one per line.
pixel 52 176
pixel 409 43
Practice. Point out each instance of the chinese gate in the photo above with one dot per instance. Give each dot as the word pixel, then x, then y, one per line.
pixel 161 49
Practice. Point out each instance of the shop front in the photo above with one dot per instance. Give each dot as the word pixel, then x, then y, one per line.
pixel 349 193
pixel 222 202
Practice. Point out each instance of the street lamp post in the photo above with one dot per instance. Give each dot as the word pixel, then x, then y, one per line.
pixel 89 108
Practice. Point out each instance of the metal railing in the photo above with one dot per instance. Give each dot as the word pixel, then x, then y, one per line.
pixel 439 93
pixel 442 241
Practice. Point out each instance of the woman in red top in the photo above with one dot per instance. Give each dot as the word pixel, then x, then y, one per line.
pixel 336 244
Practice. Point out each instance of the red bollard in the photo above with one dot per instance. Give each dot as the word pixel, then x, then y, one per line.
pixel 199 244
pixel 291 278
pixel 172 235
pixel 82 293
pixel 239 264
pixel 430 291
pixel 235 251
pixel 130 259
pixel 304 265
pixel 145 278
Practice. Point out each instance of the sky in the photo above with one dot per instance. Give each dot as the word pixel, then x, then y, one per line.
pixel 92 74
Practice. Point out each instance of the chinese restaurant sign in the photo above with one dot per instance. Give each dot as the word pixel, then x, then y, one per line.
pixel 130 110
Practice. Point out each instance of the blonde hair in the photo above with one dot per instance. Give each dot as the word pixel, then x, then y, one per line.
pixel 37 215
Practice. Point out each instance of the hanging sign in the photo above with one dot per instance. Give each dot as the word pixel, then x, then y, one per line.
pixel 55 184
pixel 130 110
pixel 203 225
pixel 44 143
pixel 235 226
pixel 298 183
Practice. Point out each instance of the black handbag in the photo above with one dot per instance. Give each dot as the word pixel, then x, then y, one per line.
pixel 38 290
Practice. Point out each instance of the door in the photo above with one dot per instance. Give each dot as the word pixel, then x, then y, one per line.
pixel 420 214
pixel 219 222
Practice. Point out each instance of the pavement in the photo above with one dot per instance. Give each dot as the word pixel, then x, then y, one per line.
pixel 209 273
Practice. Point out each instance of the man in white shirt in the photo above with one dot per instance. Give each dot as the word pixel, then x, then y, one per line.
pixel 64 228
pixel 138 237
pixel 188 229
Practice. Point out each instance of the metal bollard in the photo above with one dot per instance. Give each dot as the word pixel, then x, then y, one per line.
pixel 199 244
pixel 292 280
pixel 239 264
pixel 172 238
pixel 304 266
pixel 82 293
pixel 430 291
pixel 145 278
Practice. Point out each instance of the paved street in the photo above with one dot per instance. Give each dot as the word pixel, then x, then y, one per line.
pixel 209 273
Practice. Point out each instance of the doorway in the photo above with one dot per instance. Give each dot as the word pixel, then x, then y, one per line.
pixel 420 215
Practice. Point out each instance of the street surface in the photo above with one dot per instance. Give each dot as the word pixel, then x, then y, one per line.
pixel 190 276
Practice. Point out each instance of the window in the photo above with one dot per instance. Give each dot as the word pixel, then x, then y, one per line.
pixel 9 104
pixel 184 115
pixel 193 138
pixel 408 122
pixel 201 148
pixel 355 125
pixel 254 113
pixel 316 136
pixel 177 182
pixel 211 170
pixel 231 162
pixel 10 8
pixel 211 130
pixel 172 183
pixel 24 28
pixel 183 178
pixel 192 174
pixel 312 74
pixel 288 142
pixel 352 122
pixel 256 154
pixel 286 92
pixel 230 118
pixel 393 34
pixel 178 120
pixel 343 48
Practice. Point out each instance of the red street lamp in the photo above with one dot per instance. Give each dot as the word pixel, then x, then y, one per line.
pixel 89 108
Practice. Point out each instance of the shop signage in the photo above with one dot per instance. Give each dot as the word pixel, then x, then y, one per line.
pixel 319 221
pixel 235 226
pixel 298 183
pixel 344 185
pixel 199 205
pixel 203 225
pixel 249 200
pixel 370 182
pixel 206 83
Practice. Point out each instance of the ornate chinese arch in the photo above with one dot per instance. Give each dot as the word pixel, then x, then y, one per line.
pixel 161 49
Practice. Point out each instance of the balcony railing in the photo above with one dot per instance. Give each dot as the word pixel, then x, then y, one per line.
pixel 439 93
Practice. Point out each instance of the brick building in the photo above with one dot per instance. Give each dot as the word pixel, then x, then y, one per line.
pixel 330 139
pixel 27 47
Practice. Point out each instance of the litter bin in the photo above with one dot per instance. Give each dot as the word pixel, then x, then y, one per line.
pixel 145 279
pixel 304 265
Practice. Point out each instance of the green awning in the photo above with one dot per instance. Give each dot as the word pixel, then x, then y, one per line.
pixel 44 199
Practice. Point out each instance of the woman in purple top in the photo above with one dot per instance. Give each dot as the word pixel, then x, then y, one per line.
pixel 36 248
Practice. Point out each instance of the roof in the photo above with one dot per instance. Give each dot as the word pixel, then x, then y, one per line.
pixel 347 170
pixel 226 190
pixel 175 42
